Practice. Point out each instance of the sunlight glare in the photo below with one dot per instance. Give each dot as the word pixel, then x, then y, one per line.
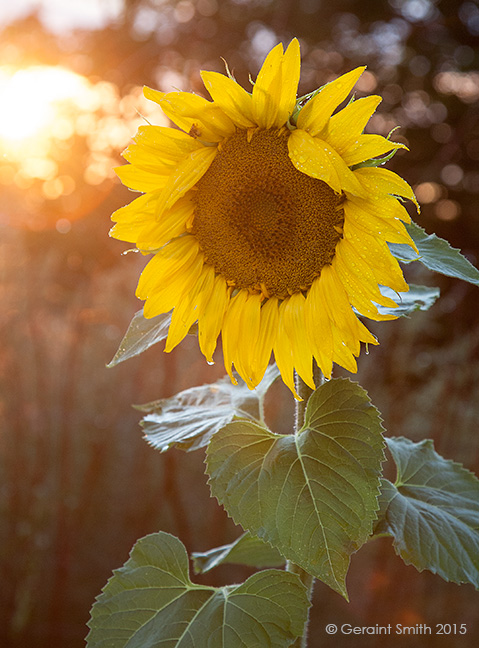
pixel 61 135
pixel 31 99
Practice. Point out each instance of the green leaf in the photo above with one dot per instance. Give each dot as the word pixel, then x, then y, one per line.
pixel 142 333
pixel 151 601
pixel 313 496
pixel 432 512
pixel 375 162
pixel 436 254
pixel 189 419
pixel 417 298
pixel 245 550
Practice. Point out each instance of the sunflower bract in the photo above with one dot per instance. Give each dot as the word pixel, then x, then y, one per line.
pixel 263 227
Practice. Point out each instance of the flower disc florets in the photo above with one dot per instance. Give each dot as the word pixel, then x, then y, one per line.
pixel 260 222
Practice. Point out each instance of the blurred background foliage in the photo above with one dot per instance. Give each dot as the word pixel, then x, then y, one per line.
pixel 78 483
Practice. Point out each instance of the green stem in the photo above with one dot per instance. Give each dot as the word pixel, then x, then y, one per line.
pixel 300 409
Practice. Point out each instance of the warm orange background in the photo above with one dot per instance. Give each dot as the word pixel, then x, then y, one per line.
pixel 78 483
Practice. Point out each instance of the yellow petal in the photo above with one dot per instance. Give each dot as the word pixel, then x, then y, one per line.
pixel 326 337
pixel 369 217
pixel 132 218
pixel 230 97
pixel 346 126
pixel 231 331
pixel 376 253
pixel 267 89
pixel 341 354
pixel 318 328
pixel 193 114
pixel 376 181
pixel 365 334
pixel 367 147
pixel 309 156
pixel 314 116
pixel 354 326
pixel 140 180
pixel 295 327
pixel 314 157
pixel 283 353
pixel 348 180
pixel 388 206
pixel 328 342
pixel 171 291
pixel 211 321
pixel 249 325
pixel 339 324
pixel 166 141
pixel 158 149
pixel 347 330
pixel 339 307
pixel 169 261
pixel 352 266
pixel 156 233
pixel 268 330
pixel 190 308
pixel 148 160
pixel 359 282
pixel 274 92
pixel 289 80
pixel 185 176
pixel 176 254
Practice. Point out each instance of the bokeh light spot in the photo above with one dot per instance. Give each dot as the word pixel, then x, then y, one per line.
pixel 63 225
pixel 452 174
pixel 441 133
pixel 184 11
pixel 447 210
pixel 428 192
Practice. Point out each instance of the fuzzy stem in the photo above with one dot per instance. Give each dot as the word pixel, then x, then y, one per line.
pixel 300 409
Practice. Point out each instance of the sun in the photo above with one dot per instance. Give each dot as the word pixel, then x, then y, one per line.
pixel 60 136
pixel 31 98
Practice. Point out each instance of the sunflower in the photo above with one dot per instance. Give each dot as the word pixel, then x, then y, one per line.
pixel 266 221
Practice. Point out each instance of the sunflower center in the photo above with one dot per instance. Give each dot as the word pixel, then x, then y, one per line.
pixel 260 222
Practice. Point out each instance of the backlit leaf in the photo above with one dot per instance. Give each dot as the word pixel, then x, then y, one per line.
pixel 245 550
pixel 417 298
pixel 152 602
pixel 432 512
pixel 312 496
pixel 142 333
pixel 189 419
pixel 436 254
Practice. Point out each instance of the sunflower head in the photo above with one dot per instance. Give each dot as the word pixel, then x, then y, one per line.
pixel 268 220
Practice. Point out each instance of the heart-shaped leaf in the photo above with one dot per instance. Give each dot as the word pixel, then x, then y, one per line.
pixel 189 419
pixel 313 495
pixel 151 601
pixel 245 550
pixel 432 512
